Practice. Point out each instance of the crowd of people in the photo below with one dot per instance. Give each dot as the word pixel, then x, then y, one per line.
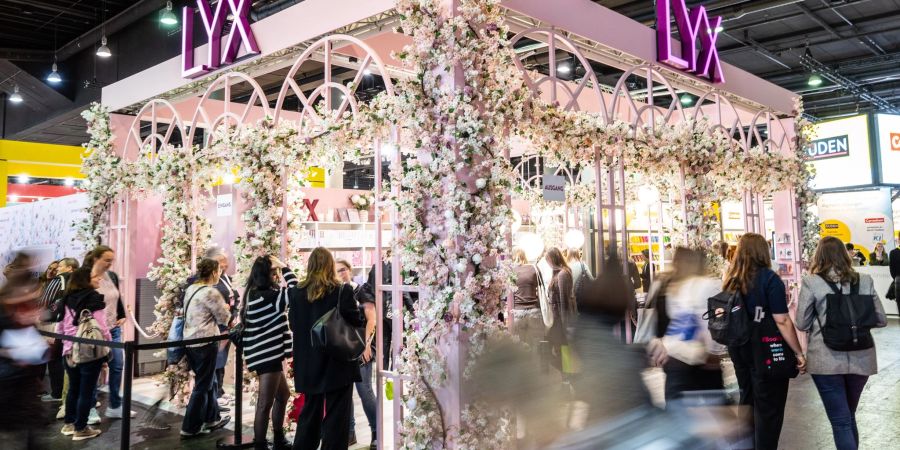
pixel 277 315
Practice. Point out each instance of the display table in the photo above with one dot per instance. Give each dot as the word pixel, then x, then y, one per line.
pixel 882 277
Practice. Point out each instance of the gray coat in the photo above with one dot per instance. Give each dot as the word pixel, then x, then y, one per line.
pixel 821 359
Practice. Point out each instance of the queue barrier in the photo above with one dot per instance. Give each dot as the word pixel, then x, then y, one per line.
pixel 130 349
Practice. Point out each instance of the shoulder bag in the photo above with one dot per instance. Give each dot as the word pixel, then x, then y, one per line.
pixel 176 332
pixel 772 357
pixel 546 312
pixel 335 337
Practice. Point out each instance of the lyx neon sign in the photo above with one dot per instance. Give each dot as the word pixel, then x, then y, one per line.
pixel 213 22
pixel 692 25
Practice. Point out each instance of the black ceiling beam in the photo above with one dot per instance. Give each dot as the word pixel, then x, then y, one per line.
pixel 843 66
pixel 867 43
pixel 135 12
pixel 62 10
pixel 22 54
pixel 20 38
pixel 854 88
pixel 809 34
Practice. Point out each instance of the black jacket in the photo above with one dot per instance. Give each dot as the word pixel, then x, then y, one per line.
pixel 894 256
pixel 82 299
pixel 315 371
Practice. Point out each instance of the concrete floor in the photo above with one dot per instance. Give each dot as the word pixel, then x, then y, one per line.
pixel 806 425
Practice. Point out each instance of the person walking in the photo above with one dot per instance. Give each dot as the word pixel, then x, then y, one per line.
pixel 326 381
pixel 683 346
pixel 82 296
pixel 561 298
pixel 231 296
pixel 581 274
pixel 365 300
pixel 840 376
pixel 528 323
pixel 100 260
pixel 765 298
pixel 267 343
pixel 879 257
pixel 204 312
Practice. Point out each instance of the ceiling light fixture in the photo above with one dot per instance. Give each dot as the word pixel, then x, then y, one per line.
pixel 103 51
pixel 23 179
pixel 69 182
pixel 54 75
pixel 16 97
pixel 718 29
pixel 686 99
pixel 814 80
pixel 564 68
pixel 168 17
pixel 367 72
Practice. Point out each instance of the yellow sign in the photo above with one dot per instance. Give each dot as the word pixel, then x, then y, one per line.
pixel 316 177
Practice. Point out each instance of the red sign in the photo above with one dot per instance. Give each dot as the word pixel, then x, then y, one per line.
pixel 895 142
pixel 875 220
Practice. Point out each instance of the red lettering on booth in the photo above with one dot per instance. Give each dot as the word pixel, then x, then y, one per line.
pixel 311 207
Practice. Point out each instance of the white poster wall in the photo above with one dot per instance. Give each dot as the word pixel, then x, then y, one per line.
pixel 841 153
pixel 45 228
pixel 863 217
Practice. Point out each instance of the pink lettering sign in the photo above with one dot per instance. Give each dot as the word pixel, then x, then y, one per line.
pixel 693 26
pixel 213 22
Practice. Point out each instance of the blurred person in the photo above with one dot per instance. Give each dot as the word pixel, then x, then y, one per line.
pixel 49 273
pixel 856 256
pixel 100 260
pixel 204 312
pixel 267 343
pixel 528 324
pixel 326 381
pixel 82 295
pixel 764 294
pixel 840 376
pixel 649 267
pixel 721 249
pixel 561 298
pixel 683 347
pixel 879 257
pixel 20 372
pixel 365 300
pixel 54 290
pixel 580 272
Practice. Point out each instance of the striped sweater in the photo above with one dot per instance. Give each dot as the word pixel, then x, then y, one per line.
pixel 266 335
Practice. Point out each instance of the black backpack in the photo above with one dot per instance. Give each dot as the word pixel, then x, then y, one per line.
pixel 848 319
pixel 729 320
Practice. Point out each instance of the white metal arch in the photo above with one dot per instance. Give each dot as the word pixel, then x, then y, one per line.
pixel 647 114
pixel 155 140
pixel 228 117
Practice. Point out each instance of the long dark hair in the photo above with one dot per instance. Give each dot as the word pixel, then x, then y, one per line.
pixel 79 280
pixel 260 274
pixel 556 260
pixel 751 255
pixel 832 255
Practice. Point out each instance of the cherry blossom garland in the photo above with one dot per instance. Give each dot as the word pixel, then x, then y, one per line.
pixel 804 134
pixel 104 178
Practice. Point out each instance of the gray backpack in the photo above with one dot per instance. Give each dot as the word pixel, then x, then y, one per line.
pixel 88 328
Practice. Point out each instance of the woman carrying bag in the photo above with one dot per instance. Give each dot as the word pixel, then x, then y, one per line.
pixel 840 373
pixel 325 377
pixel 764 387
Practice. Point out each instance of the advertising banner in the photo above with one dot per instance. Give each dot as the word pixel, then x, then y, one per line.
pixel 862 218
pixel 45 228
pixel 889 147
pixel 841 153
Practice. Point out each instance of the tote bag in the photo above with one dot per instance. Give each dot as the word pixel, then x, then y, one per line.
pixel 337 338
pixel 772 357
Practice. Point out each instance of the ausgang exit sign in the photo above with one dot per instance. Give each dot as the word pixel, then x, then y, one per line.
pixel 832 147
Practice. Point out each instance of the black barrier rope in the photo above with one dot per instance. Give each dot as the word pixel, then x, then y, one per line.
pixel 130 348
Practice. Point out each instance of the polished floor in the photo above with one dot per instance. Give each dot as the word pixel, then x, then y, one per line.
pixel 806 426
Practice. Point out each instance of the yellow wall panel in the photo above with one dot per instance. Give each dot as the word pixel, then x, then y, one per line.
pixel 38 152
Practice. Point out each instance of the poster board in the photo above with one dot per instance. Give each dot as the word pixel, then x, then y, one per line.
pixel 861 217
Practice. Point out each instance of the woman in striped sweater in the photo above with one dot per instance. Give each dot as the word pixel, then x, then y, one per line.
pixel 267 342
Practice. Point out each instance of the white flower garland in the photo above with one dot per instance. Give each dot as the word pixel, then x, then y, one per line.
pixel 103 177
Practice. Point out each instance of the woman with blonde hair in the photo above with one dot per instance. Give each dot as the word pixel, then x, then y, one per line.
pixel 765 298
pixel 840 376
pixel 327 381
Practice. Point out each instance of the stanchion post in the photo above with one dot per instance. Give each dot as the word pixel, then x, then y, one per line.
pixel 237 440
pixel 128 371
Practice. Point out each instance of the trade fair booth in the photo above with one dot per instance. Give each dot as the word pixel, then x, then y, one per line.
pixel 488 125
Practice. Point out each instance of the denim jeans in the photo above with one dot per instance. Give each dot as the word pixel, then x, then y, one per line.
pixel 840 395
pixel 116 364
pixel 367 396
pixel 202 406
pixel 82 391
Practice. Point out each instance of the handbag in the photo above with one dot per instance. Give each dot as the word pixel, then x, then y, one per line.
pixel 772 357
pixel 337 338
pixel 176 333
pixel 546 312
pixel 88 328
pixel 892 289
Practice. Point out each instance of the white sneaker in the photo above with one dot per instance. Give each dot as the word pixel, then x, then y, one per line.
pixel 223 402
pixel 61 414
pixel 93 417
pixel 116 413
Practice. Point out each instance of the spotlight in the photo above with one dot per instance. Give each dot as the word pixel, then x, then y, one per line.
pixel 168 17
pixel 718 29
pixel 14 199
pixel 228 178
pixel 16 97
pixel 103 51
pixel 367 72
pixel 54 75
pixel 814 80
pixel 564 68
pixel 686 99
pixel 69 182
pixel 23 179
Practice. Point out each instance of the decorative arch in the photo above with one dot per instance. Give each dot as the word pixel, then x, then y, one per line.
pixel 647 114
pixel 156 140
pixel 228 117
pixel 717 120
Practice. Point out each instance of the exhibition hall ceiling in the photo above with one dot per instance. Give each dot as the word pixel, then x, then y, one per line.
pixel 851 46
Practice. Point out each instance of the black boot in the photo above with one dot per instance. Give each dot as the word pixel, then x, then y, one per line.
pixel 261 445
pixel 352 437
pixel 281 443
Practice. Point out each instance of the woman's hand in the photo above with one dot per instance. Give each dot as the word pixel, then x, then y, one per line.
pixel 276 263
pixel 657 353
pixel 801 363
pixel 367 355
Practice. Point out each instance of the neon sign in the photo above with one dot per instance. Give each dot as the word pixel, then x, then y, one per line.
pixel 692 26
pixel 213 22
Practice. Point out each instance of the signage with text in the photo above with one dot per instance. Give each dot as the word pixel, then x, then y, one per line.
pixel 832 147
pixel 224 205
pixel 554 188
pixel 889 147
pixel 693 25
pixel 213 23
